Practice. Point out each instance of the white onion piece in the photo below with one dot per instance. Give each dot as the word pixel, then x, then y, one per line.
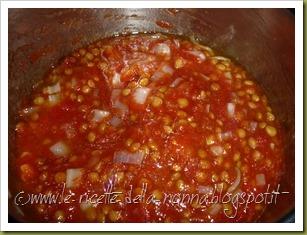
pixel 215 209
pixel 116 79
pixel 253 126
pixel 237 181
pixel 231 109
pixel 157 75
pixel 220 58
pixel 115 121
pixel 167 69
pixel 127 157
pixel 206 78
pixel 207 49
pixel 200 56
pixel 85 205
pixel 99 115
pixel 176 82
pixel 115 94
pixel 228 75
pixel 56 88
pixel 216 150
pixel 116 103
pixel 73 176
pixel 59 149
pixel 208 108
pixel 162 49
pixel 121 107
pixel 161 72
pixel 205 189
pixel 88 203
pixel 225 135
pixel 54 99
pixel 140 95
pixel 157 36
pixel 177 43
pixel 260 179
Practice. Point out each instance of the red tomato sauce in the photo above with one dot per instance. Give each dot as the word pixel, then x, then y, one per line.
pixel 154 118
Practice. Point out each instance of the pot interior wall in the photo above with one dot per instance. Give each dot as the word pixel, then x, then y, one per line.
pixel 262 40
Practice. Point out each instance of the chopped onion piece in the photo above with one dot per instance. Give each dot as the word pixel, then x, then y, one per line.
pixel 260 179
pixel 207 108
pixel 115 121
pixel 127 157
pixel 176 82
pixel 116 103
pixel 215 209
pixel 167 69
pixel 73 176
pixel 207 49
pixel 157 75
pixel 220 58
pixel 237 181
pixel 162 49
pixel 205 189
pixel 200 56
pixel 99 115
pixel 156 36
pixel 206 78
pixel 231 109
pixel 85 205
pixel 177 43
pixel 59 149
pixel 253 126
pixel 115 94
pixel 216 150
pixel 56 88
pixel 54 99
pixel 121 107
pixel 88 203
pixel 116 79
pixel 228 75
pixel 161 72
pixel 225 135
pixel 140 95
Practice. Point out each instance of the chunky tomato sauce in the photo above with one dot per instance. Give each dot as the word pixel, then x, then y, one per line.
pixel 140 129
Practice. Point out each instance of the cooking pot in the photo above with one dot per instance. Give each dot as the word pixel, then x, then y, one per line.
pixel 262 40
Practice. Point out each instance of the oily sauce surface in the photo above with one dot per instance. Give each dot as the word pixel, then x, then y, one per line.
pixel 151 117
